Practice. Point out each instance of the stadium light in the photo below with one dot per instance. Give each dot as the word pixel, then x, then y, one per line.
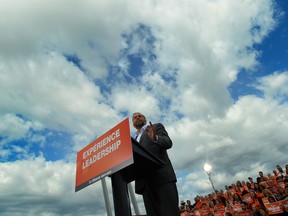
pixel 208 170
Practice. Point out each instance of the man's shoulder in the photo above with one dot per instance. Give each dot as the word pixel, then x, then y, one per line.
pixel 158 124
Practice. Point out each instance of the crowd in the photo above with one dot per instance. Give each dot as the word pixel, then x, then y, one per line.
pixel 262 196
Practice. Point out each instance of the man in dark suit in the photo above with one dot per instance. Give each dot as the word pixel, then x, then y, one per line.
pixel 158 188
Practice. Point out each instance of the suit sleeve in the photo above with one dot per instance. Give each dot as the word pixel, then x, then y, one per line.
pixel 164 140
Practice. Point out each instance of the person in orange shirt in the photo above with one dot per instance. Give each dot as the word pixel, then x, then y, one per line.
pixel 198 202
pixel 286 169
pixel 280 181
pixel 239 185
pixel 244 186
pixel 256 187
pixel 216 209
pixel 286 174
pixel 251 181
pixel 259 193
pixel 182 207
pixel 261 175
pixel 229 208
pixel 238 190
pixel 211 204
pixel 255 201
pixel 280 170
pixel 271 182
pixel 205 209
pixel 260 190
pixel 226 187
pixel 255 210
pixel 263 211
pixel 275 173
pixel 237 199
pixel 229 197
pixel 244 208
pixel 220 205
pixel 188 205
pixel 281 194
pixel 262 184
pixel 267 193
pixel 244 191
pixel 262 180
pixel 221 197
pixel 249 186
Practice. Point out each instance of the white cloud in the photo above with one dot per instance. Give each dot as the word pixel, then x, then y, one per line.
pixel 127 97
pixel 13 127
pixel 38 187
pixel 53 91
pixel 275 86
pixel 250 124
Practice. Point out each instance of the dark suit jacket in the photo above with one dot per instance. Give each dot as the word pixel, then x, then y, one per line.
pixel 159 149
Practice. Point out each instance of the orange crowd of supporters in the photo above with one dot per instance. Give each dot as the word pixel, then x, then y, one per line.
pixel 267 195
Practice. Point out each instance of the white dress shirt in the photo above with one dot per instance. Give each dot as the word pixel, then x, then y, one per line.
pixel 138 134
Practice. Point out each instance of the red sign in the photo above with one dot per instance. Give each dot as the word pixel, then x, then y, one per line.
pixel 247 198
pixel 285 204
pixel 274 208
pixel 219 213
pixel 106 155
pixel 237 207
pixel 244 213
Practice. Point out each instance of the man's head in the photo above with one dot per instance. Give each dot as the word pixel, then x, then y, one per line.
pixel 138 120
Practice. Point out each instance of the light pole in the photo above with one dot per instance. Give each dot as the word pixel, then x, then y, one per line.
pixel 208 169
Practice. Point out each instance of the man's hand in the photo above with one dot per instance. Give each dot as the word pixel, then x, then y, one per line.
pixel 151 132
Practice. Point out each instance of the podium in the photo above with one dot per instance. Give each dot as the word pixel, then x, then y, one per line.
pixel 144 163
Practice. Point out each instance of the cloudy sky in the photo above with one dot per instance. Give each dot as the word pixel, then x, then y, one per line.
pixel 214 72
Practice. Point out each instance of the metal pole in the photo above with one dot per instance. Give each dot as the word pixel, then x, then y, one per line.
pixel 120 195
pixel 133 199
pixel 106 197
pixel 209 174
